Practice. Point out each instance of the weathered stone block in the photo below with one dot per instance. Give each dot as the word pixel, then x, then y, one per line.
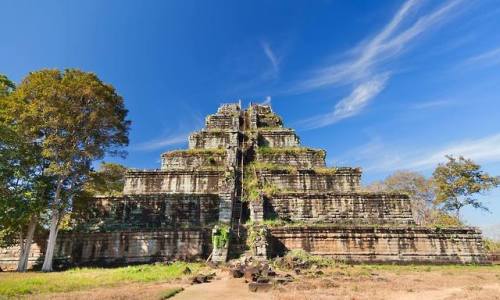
pixel 383 244
pixel 351 208
pixel 344 180
pixel 151 182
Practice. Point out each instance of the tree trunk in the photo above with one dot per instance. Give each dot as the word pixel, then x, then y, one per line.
pixel 26 245
pixel 54 224
pixel 51 243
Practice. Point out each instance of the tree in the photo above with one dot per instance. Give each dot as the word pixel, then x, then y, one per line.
pixel 76 119
pixel 109 180
pixel 24 187
pixel 458 181
pixel 417 187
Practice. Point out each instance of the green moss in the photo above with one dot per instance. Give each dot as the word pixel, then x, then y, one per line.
pixel 326 171
pixel 254 233
pixel 264 166
pixel 196 152
pixel 220 238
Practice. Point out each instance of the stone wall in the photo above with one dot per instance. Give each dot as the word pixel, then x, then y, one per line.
pixel 132 247
pixel 344 180
pixel 279 138
pixel 213 139
pixel 9 256
pixel 303 159
pixel 345 208
pixel 151 211
pixel 189 160
pixel 150 182
pixel 383 244
pixel 217 121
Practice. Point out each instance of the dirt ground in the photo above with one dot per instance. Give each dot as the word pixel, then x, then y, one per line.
pixel 339 283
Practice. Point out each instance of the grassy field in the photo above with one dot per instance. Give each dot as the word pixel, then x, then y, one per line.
pixel 335 280
pixel 17 284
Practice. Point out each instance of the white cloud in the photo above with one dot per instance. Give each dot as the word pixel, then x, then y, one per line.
pixel 491 57
pixel 387 157
pixel 350 105
pixel 162 142
pixel 484 150
pixel 432 104
pixel 365 60
pixel 363 68
pixel 271 56
pixel 267 101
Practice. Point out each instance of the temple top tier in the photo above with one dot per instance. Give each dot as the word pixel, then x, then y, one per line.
pixel 226 127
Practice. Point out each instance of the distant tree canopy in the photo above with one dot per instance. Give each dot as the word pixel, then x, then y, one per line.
pixel 458 182
pixel 439 199
pixel 416 186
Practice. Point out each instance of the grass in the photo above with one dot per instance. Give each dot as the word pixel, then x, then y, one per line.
pixel 17 284
pixel 170 293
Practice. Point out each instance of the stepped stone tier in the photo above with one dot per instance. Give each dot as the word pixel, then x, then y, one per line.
pixel 242 171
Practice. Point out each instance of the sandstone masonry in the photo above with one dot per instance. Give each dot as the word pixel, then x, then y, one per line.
pixel 244 165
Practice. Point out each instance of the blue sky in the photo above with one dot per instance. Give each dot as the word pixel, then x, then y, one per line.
pixel 384 85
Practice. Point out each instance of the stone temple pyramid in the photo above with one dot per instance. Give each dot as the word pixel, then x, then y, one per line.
pixel 247 175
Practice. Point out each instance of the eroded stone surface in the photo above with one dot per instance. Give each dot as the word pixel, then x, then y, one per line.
pixel 169 213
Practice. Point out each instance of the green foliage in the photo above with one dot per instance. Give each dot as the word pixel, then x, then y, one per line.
pixel 255 232
pixel 441 219
pixel 264 166
pixel 196 151
pixel 6 86
pixel 18 284
pixel 492 246
pixel 326 171
pixel 303 259
pixel 109 180
pixel 420 190
pixel 251 184
pixel 75 119
pixel 458 181
pixel 220 236
pixel 24 186
pixel 271 151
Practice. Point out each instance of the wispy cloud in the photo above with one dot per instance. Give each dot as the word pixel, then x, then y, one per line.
pixel 491 57
pixel 386 157
pixel 484 149
pixel 432 104
pixel 271 56
pixel 365 59
pixel 366 62
pixel 159 143
pixel 349 106
pixel 267 101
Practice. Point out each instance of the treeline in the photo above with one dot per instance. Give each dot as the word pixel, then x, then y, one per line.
pixel 438 200
pixel 53 126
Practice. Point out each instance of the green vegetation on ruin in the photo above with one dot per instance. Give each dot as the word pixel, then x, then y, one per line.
pixel 220 238
pixel 291 151
pixel 30 283
pixel 253 187
pixel 213 151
